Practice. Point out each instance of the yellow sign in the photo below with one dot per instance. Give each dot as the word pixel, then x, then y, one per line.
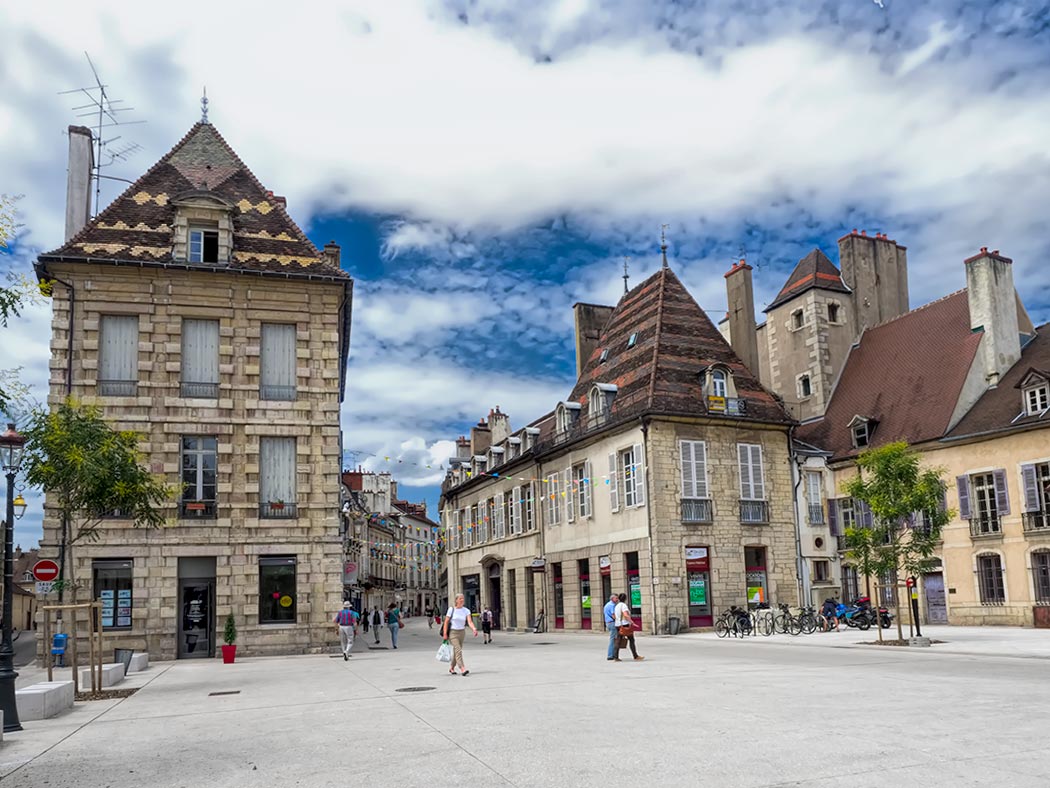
pixel 286 601
pixel 716 403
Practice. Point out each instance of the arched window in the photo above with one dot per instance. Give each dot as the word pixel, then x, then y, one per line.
pixel 718 383
pixel 597 405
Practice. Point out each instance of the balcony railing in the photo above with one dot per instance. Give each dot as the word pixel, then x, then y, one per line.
pixel 816 514
pixel 697 510
pixel 1036 522
pixel 284 393
pixel 754 512
pixel 118 388
pixel 200 390
pixel 197 510
pixel 276 510
pixel 987 525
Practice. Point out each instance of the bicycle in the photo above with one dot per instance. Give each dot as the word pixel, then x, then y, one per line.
pixel 762 621
pixel 785 622
pixel 735 621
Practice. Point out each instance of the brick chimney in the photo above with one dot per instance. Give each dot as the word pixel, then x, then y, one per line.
pixel 462 446
pixel 743 333
pixel 78 179
pixel 993 311
pixel 499 425
pixel 590 319
pixel 331 253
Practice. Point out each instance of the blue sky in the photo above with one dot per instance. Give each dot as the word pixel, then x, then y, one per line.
pixel 486 164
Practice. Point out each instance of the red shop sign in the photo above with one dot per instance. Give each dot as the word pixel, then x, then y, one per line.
pixel 696 559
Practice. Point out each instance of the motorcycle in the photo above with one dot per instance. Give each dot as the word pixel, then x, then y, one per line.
pixel 884 618
pixel 854 616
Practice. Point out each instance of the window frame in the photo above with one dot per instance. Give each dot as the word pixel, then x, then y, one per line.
pixel 210 505
pixel 553 504
pixel 990 586
pixel 719 383
pixel 269 509
pixel 203 231
pixel 581 481
pixel 291 617
pixel 804 386
pixel 117 387
pixel 1037 392
pixel 821 570
pixel 797 319
pixel 122 585
pixel 1041 576
pixel 834 312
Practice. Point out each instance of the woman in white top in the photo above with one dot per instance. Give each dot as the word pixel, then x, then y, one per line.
pixel 623 621
pixel 457 619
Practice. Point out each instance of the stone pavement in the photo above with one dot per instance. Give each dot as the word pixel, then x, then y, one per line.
pixel 549 710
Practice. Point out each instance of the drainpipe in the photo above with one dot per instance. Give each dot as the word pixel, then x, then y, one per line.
pixel 797 466
pixel 649 521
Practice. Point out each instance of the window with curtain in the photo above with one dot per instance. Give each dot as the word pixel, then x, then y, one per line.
pixel 277 362
pixel 277 477
pixel 118 355
pixel 200 358
pixel 199 459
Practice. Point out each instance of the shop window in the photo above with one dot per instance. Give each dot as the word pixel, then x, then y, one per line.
pixel 277 591
pixel 585 593
pixel 559 596
pixel 698 572
pixel 755 575
pixel 112 582
pixel 634 585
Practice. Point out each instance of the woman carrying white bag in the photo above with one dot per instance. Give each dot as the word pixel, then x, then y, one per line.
pixel 457 619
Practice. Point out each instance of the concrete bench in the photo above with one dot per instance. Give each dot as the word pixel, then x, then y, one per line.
pixel 45 700
pixel 112 674
pixel 139 661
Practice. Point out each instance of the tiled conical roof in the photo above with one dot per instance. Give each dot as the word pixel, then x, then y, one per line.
pixel 137 225
pixel 661 372
pixel 813 270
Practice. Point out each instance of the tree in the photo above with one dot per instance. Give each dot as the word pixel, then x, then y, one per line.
pixel 88 471
pixel 907 506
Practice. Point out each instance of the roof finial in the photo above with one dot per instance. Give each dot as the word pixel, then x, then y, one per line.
pixel 663 242
pixel 204 105
pixel 626 260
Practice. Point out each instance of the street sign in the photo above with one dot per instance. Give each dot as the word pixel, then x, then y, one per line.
pixel 45 570
pixel 44 587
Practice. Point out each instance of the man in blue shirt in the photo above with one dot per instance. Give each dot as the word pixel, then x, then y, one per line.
pixel 608 610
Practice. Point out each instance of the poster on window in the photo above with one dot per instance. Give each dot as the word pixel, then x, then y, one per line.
pixel 756 595
pixel 698 591
pixel 636 595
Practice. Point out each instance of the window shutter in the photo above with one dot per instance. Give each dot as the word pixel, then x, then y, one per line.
pixel 570 508
pixel 638 471
pixel 500 524
pixel 685 448
pixel 944 498
pixel 866 518
pixel 118 348
pixel 200 351
pixel 1002 494
pixel 744 461
pixel 962 484
pixel 588 487
pixel 1030 483
pixel 277 358
pixel 614 490
pixel 758 480
pixel 833 517
pixel 515 511
pixel 700 469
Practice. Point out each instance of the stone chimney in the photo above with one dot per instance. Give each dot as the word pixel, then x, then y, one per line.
pixel 331 253
pixel 590 320
pixel 480 438
pixel 462 446
pixel 875 268
pixel 499 425
pixel 78 179
pixel 993 311
pixel 743 334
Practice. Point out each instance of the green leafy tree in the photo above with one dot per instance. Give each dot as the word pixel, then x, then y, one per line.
pixel 906 502
pixel 88 470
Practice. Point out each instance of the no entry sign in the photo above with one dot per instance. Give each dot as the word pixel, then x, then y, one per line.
pixel 45 570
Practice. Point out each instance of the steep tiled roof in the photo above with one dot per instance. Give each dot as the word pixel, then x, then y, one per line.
pixel 813 270
pixel 661 372
pixel 138 224
pixel 999 407
pixel 906 374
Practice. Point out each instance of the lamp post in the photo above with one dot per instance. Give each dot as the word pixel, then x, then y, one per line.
pixel 11 445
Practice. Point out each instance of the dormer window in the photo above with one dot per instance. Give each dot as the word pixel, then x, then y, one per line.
pixel 203 245
pixel 566 414
pixel 600 402
pixel 513 448
pixel 495 456
pixel 718 383
pixel 1037 399
pixel 530 437
pixel 861 431
pixel 480 464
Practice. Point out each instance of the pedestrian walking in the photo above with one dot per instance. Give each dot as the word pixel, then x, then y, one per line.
pixel 364 619
pixel 625 626
pixel 393 620
pixel 377 622
pixel 457 619
pixel 346 621
pixel 609 611
pixel 486 624
pixel 429 613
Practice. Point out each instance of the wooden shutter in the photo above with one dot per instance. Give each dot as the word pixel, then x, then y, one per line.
pixel 570 508
pixel 833 517
pixel 866 518
pixel 118 348
pixel 685 448
pixel 515 511
pixel 277 361
pixel 614 490
pixel 200 351
pixel 1030 484
pixel 758 476
pixel 501 526
pixel 588 487
pixel 962 484
pixel 639 475
pixel 700 468
pixel 744 463
pixel 1002 494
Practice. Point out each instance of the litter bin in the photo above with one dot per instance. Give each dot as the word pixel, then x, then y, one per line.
pixel 123 655
pixel 674 623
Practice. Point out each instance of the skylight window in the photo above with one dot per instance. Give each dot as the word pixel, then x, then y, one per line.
pixel 603 356
pixel 631 341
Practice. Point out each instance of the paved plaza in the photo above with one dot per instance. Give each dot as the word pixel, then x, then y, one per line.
pixel 549 710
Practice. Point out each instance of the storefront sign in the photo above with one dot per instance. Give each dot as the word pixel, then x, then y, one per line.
pixel 698 591
pixel 605 565
pixel 539 564
pixel 586 603
pixel 636 595
pixel 696 559
pixel 350 573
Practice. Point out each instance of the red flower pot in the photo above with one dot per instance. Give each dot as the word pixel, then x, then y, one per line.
pixel 228 653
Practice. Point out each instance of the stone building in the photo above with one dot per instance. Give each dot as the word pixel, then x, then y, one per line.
pixel 665 474
pixel 195 312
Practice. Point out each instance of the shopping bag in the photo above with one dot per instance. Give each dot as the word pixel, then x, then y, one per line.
pixel 444 653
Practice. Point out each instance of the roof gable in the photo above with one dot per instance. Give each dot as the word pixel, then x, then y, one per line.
pixel 814 270
pixel 202 167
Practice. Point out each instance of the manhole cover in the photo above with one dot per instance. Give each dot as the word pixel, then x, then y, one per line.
pixel 414 689
pixel 226 692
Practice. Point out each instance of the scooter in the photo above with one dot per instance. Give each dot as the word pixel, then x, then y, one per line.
pixel 853 615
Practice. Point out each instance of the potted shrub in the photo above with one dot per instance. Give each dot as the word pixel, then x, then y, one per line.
pixel 229 635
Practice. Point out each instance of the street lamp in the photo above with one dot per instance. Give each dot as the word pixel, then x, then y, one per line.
pixel 11 446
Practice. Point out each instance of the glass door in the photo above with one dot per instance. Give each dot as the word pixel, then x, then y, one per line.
pixel 196 619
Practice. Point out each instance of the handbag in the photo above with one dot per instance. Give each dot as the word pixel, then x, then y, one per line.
pixel 626 629
pixel 400 624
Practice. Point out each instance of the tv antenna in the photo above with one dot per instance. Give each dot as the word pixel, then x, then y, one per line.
pixel 102 108
pixel 626 260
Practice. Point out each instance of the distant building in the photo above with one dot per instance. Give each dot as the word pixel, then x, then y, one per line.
pixel 195 312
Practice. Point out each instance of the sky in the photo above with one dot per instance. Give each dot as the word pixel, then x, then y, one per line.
pixel 485 164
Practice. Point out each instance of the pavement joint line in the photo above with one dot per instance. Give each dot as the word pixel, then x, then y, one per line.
pixel 83 725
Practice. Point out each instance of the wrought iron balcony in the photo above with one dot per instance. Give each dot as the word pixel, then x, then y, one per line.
pixel 118 388
pixel 986 525
pixel 284 393
pixel 840 541
pixel 816 514
pixel 1036 522
pixel 197 510
pixel 697 510
pixel 278 510
pixel 192 390
pixel 754 512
